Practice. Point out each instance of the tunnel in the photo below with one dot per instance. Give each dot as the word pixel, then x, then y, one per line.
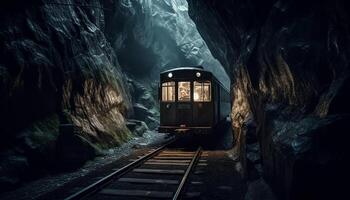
pixel 174 99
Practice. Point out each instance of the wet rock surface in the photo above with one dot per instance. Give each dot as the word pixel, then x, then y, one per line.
pixel 289 64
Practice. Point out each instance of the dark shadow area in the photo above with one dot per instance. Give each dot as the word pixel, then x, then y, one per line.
pixel 220 139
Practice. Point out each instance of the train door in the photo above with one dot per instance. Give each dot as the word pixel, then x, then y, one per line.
pixel 167 104
pixel 203 101
pixel 184 103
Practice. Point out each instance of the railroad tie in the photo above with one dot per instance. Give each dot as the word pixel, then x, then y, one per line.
pixel 150 181
pixel 145 193
pixel 172 157
pixel 137 193
pixel 159 171
pixel 172 163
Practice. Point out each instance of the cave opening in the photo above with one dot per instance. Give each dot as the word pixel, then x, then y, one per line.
pixel 158 36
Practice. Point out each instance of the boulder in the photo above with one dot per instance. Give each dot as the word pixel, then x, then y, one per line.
pixel 152 122
pixel 73 150
pixel 137 127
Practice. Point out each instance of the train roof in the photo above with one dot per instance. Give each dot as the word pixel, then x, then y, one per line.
pixel 198 68
pixel 194 68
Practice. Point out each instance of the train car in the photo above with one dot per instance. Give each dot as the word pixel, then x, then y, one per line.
pixel 191 100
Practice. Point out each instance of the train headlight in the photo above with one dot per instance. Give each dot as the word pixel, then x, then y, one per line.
pixel 170 75
pixel 198 74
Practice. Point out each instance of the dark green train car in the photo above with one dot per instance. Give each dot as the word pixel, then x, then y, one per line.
pixel 191 100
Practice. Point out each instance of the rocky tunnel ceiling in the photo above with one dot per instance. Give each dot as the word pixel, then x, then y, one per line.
pixel 151 36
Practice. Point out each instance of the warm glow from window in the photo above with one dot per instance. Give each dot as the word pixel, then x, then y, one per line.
pixel 184 91
pixel 201 91
pixel 168 91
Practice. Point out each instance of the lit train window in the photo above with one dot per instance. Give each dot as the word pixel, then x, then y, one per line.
pixel 201 91
pixel 168 91
pixel 184 91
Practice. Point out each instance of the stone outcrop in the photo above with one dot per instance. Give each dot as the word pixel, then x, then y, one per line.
pixel 56 66
pixel 289 66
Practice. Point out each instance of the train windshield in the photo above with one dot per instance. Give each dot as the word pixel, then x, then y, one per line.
pixel 184 91
pixel 201 91
pixel 168 91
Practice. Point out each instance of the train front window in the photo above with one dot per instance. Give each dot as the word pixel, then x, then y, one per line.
pixel 168 91
pixel 184 91
pixel 201 91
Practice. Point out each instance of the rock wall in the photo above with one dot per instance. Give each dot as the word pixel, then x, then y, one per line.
pixel 289 65
pixel 57 67
pixel 150 36
pixel 154 35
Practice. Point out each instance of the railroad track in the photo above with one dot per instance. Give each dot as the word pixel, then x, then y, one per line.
pixel 160 174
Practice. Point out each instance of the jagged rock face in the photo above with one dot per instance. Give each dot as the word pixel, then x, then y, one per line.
pixel 151 36
pixel 289 63
pixel 56 57
pixel 56 62
pixel 158 34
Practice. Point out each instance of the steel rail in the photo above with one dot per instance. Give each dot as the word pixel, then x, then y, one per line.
pixel 105 180
pixel 187 173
